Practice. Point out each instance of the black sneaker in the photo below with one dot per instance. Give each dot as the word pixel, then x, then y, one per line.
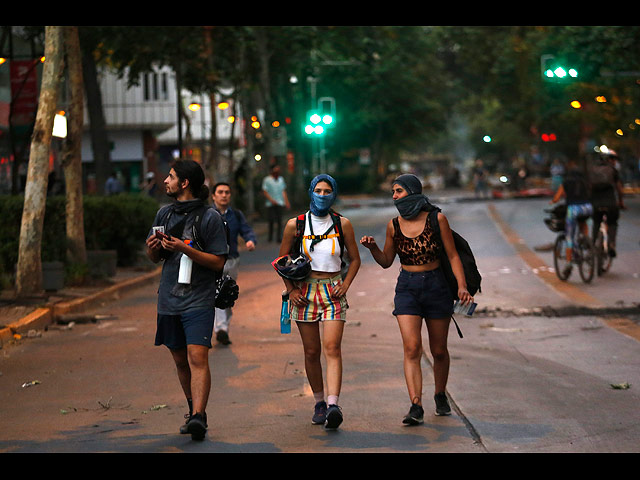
pixel 334 417
pixel 415 415
pixel 197 426
pixel 183 428
pixel 442 404
pixel 223 337
pixel 320 414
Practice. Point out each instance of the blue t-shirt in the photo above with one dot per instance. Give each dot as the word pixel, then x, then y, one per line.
pixel 275 188
pixel 175 298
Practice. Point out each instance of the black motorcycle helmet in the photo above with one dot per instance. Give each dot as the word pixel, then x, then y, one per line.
pixel 295 269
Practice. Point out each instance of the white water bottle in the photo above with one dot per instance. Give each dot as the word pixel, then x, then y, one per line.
pixel 186 265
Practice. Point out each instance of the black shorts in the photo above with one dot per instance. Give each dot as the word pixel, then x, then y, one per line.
pixel 425 294
pixel 194 327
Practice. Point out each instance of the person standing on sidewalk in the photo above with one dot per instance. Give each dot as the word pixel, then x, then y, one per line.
pixel 421 290
pixel 237 225
pixel 186 310
pixel 274 188
pixel 321 297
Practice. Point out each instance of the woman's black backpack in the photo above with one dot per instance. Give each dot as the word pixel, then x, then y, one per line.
pixel 471 273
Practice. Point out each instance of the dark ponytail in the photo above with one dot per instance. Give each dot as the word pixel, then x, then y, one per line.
pixel 192 171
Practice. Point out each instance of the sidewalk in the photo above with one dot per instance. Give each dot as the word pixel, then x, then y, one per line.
pixel 26 318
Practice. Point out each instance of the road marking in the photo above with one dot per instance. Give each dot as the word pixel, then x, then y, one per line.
pixel 622 325
pixel 567 289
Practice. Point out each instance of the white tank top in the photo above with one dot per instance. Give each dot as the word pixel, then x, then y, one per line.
pixel 325 256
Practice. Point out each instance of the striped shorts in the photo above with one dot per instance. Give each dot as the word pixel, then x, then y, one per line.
pixel 321 306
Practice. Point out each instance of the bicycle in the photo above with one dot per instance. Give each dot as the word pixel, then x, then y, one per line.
pixel 601 244
pixel 583 253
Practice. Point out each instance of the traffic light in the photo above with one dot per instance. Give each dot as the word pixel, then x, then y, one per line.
pixel 322 118
pixel 548 137
pixel 553 69
pixel 314 125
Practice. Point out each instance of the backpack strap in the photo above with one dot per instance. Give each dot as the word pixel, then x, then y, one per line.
pixel 337 223
pixel 299 246
pixel 435 225
pixel 196 228
pixel 296 248
pixel 336 226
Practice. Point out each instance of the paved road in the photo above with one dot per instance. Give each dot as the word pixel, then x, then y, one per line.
pixel 518 383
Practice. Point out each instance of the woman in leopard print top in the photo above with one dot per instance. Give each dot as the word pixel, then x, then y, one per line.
pixel 421 291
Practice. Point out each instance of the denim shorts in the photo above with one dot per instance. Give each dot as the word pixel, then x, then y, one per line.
pixel 425 294
pixel 194 327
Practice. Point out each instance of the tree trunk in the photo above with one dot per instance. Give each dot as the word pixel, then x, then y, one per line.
pixel 71 154
pixel 29 270
pixel 98 127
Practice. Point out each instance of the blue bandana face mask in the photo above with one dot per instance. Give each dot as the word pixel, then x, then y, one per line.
pixel 320 204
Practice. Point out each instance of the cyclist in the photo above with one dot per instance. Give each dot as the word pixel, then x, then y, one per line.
pixel 575 189
pixel 606 196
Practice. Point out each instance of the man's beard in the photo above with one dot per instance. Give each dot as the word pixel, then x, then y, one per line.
pixel 174 194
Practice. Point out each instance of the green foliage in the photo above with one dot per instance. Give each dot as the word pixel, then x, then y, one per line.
pixel 119 222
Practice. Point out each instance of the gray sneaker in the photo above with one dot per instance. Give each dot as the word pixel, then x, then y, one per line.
pixel 442 404
pixel 320 413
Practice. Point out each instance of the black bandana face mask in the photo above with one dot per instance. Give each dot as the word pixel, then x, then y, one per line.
pixel 411 205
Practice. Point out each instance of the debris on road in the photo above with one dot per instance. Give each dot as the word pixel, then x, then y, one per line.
pixel 621 386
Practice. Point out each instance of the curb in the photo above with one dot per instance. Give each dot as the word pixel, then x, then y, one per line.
pixel 45 316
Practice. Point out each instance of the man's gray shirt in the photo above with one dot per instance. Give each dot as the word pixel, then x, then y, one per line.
pixel 175 298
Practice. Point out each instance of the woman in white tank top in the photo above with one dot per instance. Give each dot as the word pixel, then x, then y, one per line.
pixel 321 297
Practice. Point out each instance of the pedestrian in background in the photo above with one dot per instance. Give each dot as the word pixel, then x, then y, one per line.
pixel 186 306
pixel 606 197
pixel 149 186
pixel 480 180
pixel 113 185
pixel 421 290
pixel 237 226
pixel 557 173
pixel 274 189
pixel 322 296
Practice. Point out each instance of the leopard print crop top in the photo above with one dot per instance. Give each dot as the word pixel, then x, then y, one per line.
pixel 419 250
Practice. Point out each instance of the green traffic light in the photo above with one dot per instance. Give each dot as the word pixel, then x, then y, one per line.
pixel 560 72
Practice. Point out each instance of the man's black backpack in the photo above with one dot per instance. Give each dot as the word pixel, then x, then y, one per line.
pixel 471 273
pixel 227 290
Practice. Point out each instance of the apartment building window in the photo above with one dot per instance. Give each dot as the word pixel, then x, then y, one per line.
pixel 155 86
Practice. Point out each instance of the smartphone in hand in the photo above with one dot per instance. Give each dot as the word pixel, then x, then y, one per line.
pixel 159 233
pixel 464 308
